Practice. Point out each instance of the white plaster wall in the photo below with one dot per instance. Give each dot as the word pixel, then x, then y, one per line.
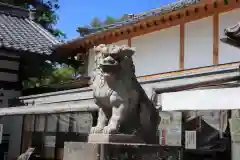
pixel 228 53
pixel 157 52
pixel 198 43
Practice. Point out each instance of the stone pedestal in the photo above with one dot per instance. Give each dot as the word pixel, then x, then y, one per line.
pixel 80 150
pixel 119 147
pixel 114 139
pixel 235 137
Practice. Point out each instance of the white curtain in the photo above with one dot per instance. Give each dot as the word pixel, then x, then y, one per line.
pixel 64 120
pixel 39 123
pixel 82 122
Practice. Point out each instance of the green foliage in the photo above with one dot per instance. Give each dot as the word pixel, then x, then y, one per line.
pixel 110 20
pixel 62 74
pixel 96 22
pixel 52 73
pixel 39 73
pixel 45 73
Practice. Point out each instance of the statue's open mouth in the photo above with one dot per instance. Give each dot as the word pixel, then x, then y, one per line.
pixel 109 65
pixel 109 68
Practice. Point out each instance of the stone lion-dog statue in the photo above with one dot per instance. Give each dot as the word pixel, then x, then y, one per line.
pixel 124 107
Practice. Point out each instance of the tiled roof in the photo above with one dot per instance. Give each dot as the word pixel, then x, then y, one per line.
pixel 19 32
pixel 154 12
pixel 137 17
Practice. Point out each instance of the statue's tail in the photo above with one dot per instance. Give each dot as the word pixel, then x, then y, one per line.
pixel 149 116
pixel 149 120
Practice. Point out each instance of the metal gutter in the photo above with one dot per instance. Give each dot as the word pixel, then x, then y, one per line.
pixel 165 9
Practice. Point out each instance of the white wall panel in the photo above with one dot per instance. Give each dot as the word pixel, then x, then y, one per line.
pixel 157 52
pixel 207 99
pixel 198 43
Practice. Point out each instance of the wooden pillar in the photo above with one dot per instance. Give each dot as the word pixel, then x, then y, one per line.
pixel 215 38
pixel 129 42
pixel 182 35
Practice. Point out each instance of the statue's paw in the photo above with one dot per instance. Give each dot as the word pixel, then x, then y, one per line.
pixel 96 129
pixel 109 130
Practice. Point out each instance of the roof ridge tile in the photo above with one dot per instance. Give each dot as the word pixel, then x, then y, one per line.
pixel 19 32
pixel 143 15
pixel 11 10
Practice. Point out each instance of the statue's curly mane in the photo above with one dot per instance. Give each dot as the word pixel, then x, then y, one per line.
pixel 127 72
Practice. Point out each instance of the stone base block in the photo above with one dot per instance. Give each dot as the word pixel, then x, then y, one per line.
pixel 114 139
pixel 90 151
pixel 80 150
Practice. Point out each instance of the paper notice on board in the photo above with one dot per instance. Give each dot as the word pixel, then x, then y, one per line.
pixel 190 139
pixel 170 129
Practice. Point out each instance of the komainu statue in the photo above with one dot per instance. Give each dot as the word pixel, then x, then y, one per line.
pixel 233 32
pixel 124 107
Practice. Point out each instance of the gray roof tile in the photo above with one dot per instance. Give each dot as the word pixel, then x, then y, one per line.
pixel 18 32
pixel 154 12
pixel 135 19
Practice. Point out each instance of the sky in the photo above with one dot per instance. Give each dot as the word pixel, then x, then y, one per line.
pixel 80 13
